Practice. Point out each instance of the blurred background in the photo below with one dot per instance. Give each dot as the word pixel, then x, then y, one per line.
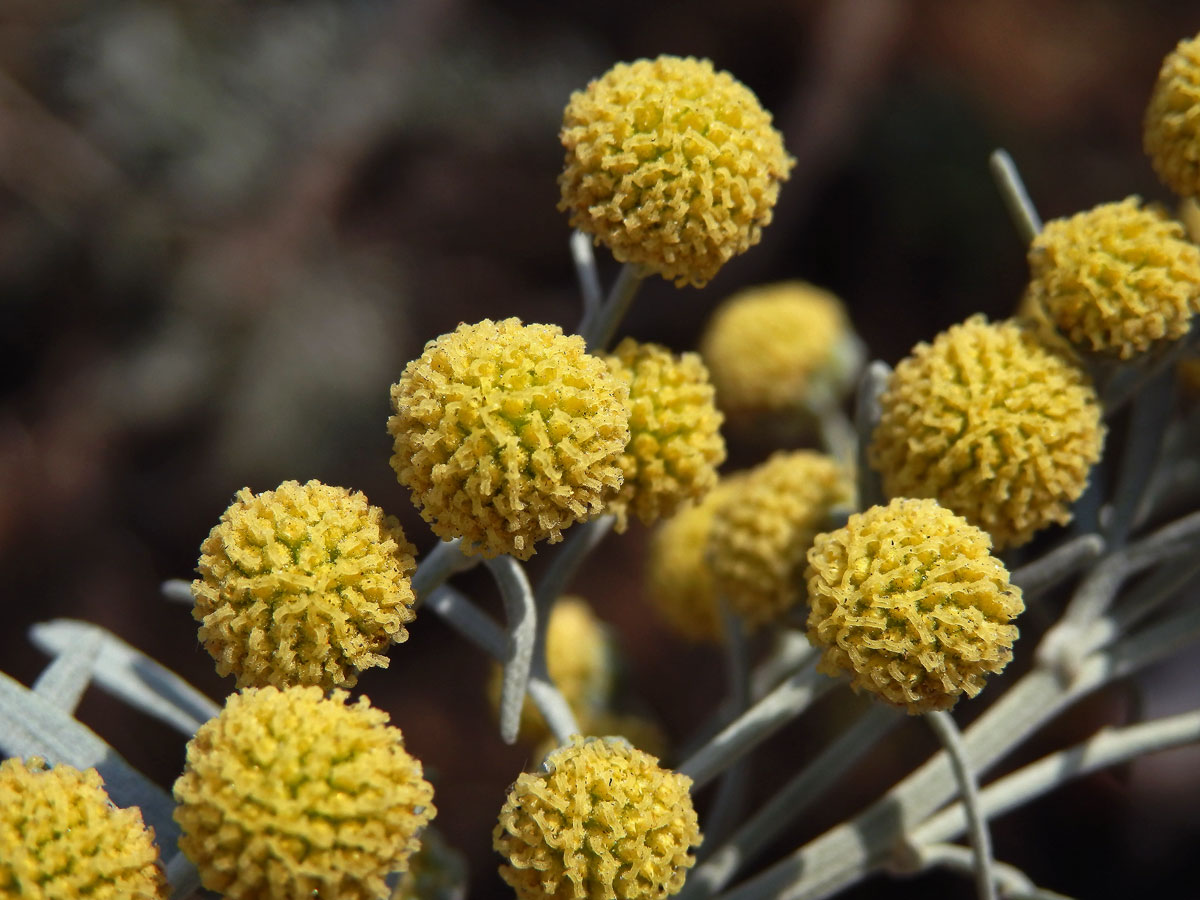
pixel 226 226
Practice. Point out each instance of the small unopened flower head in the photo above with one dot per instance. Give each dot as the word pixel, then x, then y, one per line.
pixel 675 442
pixel 775 349
pixel 761 533
pixel 603 821
pixel 679 576
pixel 910 602
pixel 672 165
pixel 61 836
pixel 580 662
pixel 305 584
pixel 1116 279
pixel 508 433
pixel 288 794
pixel 992 424
pixel 1171 130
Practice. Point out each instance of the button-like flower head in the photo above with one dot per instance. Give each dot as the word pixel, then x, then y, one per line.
pixel 508 433
pixel 1116 279
pixel 762 531
pixel 908 599
pixel 288 794
pixel 603 821
pixel 675 442
pixel 1171 132
pixel 991 423
pixel 672 165
pixel 61 836
pixel 305 584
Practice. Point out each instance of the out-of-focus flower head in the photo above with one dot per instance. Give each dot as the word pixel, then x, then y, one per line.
pixel 910 602
pixel 508 433
pixel 672 165
pixel 675 442
pixel 305 584
pixel 288 794
pixel 1171 130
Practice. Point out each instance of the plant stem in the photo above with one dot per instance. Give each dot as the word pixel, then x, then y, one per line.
pixel 600 329
pixel 584 257
pixel 866 416
pixel 521 612
pixel 1012 188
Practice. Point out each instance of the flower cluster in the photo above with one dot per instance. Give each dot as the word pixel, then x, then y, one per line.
pixel 1171 132
pixel 289 794
pixel 909 600
pixel 675 442
pixel 603 821
pixel 508 433
pixel 672 165
pixel 305 584
pixel 991 423
pixel 61 836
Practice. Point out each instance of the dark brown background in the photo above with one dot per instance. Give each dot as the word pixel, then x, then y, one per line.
pixel 225 226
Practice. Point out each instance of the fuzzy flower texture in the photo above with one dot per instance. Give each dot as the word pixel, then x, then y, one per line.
pixel 908 599
pixel 1171 131
pixel 603 821
pixel 306 584
pixel 672 165
pixel 508 433
pixel 61 836
pixel 288 794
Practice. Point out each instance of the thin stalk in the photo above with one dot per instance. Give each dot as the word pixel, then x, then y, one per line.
pixel 584 257
pixel 176 590
pixel 1058 565
pixel 441 563
pixel 600 331
pixel 1016 198
pixel 1014 883
pixel 867 412
pixel 582 540
pixel 521 612
pixel 1151 412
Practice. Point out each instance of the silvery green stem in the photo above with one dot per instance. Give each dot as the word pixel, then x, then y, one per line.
pixel 867 413
pixel 521 612
pixel 838 434
pixel 581 541
pixel 790 801
pixel 176 590
pixel 792 651
pixel 69 674
pixel 1012 189
pixel 758 723
pixel 1151 412
pixel 444 561
pixel 1014 883
pixel 182 877
pixel 584 257
pixel 947 731
pixel 601 328
pixel 1129 381
pixel 1059 564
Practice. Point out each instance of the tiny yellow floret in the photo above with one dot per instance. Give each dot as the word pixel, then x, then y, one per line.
pixel 305 584
pixel 508 433
pixel 675 442
pixel 779 348
pixel 1117 279
pixel 288 794
pixel 672 165
pixel 603 821
pixel 993 424
pixel 761 533
pixel 1171 130
pixel 910 602
pixel 61 837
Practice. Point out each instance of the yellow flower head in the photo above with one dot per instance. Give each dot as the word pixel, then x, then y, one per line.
pixel 675 442
pixel 305 584
pixel 775 348
pixel 908 599
pixel 680 579
pixel 508 433
pixel 579 658
pixel 288 794
pixel 761 533
pixel 61 836
pixel 604 821
pixel 993 425
pixel 1171 132
pixel 672 165
pixel 1117 278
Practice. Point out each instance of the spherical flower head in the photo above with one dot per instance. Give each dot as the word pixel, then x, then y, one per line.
pixel 909 601
pixel 992 424
pixel 1171 130
pixel 508 433
pixel 761 534
pixel 1117 279
pixel 305 584
pixel 675 442
pixel 678 574
pixel 580 661
pixel 603 821
pixel 672 165
pixel 775 349
pixel 288 794
pixel 61 836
